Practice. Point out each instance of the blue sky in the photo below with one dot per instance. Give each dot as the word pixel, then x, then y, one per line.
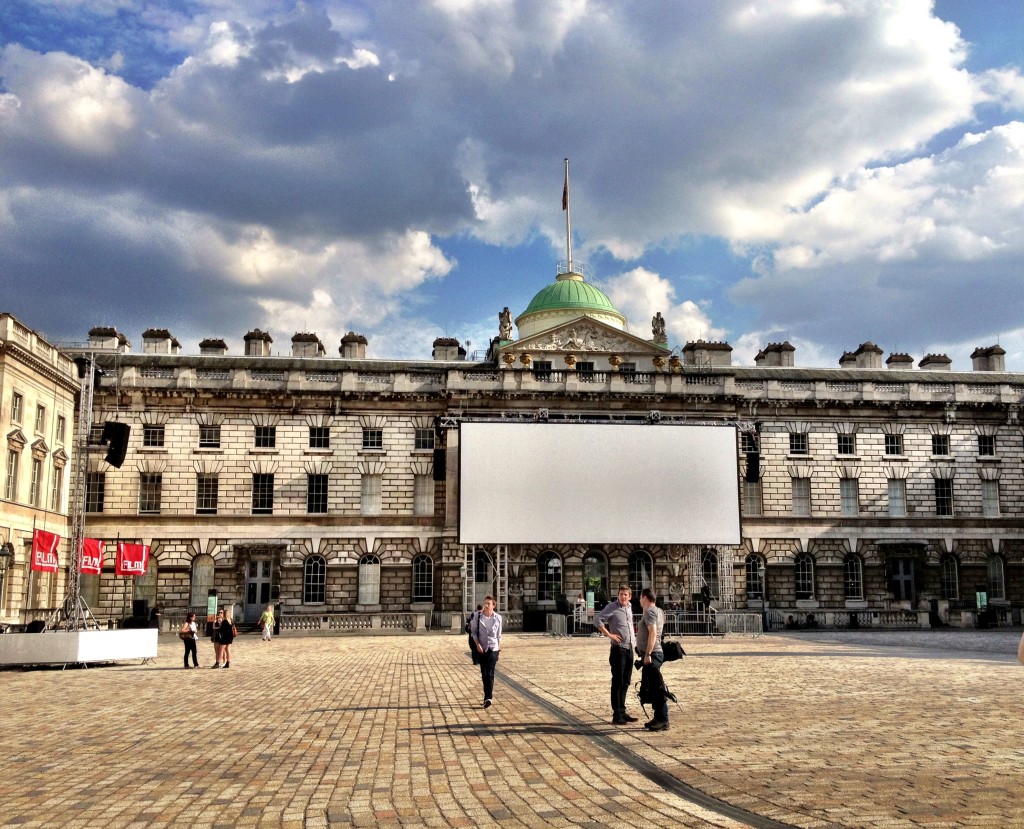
pixel 822 171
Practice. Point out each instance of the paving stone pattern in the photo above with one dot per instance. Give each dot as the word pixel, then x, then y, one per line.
pixel 816 730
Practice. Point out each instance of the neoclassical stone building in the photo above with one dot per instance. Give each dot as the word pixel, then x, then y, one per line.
pixel 329 485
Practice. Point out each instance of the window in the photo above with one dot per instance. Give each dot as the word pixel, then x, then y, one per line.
pixel 95 484
pixel 369 580
pixel 853 578
pixel 202 580
pixel 423 495
pixel 40 419
pixel 265 437
pixel 57 489
pixel 846 444
pixel 542 370
pixel 943 496
pixel 641 571
pixel 585 371
pixel 595 577
pixel 894 444
pixel 17 407
pixel 990 498
pixel 986 445
pixel 897 488
pixel 35 485
pixel 62 428
pixel 319 437
pixel 849 497
pixel 996 580
pixel 798 443
pixel 316 494
pixel 709 570
pixel 373 439
pixel 803 575
pixel 748 442
pixel 549 576
pixel 95 434
pixel 755 572
pixel 424 440
pixel 149 493
pixel 209 437
pixel 422 579
pixel 146 584
pixel 940 444
pixel 152 436
pixel 949 578
pixel 370 494
pixel 11 480
pixel 314 580
pixel 262 493
pixel 752 497
pixel 207 490
pixel 801 488
pixel 90 589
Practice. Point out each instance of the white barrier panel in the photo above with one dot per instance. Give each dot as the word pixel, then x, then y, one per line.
pixel 69 647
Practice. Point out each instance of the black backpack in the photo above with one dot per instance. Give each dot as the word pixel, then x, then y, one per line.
pixel 672 650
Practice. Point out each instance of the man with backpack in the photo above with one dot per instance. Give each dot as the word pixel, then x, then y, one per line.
pixel 652 656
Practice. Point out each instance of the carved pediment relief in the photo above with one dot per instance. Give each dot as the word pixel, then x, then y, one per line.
pixel 16 439
pixel 584 336
pixel 39 449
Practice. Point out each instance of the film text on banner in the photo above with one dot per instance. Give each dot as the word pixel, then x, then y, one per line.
pixel 91 562
pixel 132 559
pixel 44 551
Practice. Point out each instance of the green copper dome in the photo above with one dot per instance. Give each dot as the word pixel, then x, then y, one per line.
pixel 567 298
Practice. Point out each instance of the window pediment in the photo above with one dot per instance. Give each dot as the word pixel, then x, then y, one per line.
pixel 39 449
pixel 16 440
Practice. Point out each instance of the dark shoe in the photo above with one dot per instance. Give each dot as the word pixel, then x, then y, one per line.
pixel 628 718
pixel 227 665
pixel 487 703
pixel 657 725
pixel 617 720
pixel 215 665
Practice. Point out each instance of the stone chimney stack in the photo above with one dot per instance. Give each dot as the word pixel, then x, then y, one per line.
pixel 447 349
pixel 992 358
pixel 159 341
pixel 701 353
pixel 307 345
pixel 213 348
pixel 776 354
pixel 900 362
pixel 257 343
pixel 935 362
pixel 109 338
pixel 353 346
pixel 868 355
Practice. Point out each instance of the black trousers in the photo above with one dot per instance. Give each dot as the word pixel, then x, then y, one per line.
pixel 190 648
pixel 488 661
pixel 621 661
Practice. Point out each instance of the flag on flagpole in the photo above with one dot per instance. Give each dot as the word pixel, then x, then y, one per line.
pixel 91 562
pixel 132 559
pixel 44 551
pixel 565 191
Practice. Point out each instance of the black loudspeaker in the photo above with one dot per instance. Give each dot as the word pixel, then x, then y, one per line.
pixel 753 467
pixel 439 464
pixel 140 608
pixel 115 436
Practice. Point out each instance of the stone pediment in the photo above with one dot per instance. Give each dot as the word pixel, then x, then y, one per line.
pixel 584 336
pixel 39 449
pixel 16 439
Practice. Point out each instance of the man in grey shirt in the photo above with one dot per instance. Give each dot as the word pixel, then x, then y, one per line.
pixel 615 621
pixel 648 645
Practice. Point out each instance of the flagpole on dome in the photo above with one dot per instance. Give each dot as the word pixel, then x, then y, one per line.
pixel 568 225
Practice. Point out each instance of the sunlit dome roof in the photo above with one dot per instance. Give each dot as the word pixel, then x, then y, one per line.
pixel 567 298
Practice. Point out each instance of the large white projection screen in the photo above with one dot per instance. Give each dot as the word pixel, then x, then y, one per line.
pixel 562 483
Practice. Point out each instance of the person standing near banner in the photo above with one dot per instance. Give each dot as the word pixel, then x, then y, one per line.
pixel 189 633
pixel 616 622
pixel 487 638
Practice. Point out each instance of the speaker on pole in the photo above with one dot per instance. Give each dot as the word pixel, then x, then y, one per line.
pixel 753 467
pixel 115 437
pixel 439 464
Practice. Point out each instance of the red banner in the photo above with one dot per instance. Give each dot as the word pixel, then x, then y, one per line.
pixel 44 551
pixel 132 559
pixel 91 562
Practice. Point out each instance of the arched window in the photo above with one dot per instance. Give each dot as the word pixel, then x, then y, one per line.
pixel 202 580
pixel 996 581
pixel 595 577
pixel 641 572
pixel 423 579
pixel 145 585
pixel 369 580
pixel 949 578
pixel 709 570
pixel 549 576
pixel 314 580
pixel 755 571
pixel 853 577
pixel 803 576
